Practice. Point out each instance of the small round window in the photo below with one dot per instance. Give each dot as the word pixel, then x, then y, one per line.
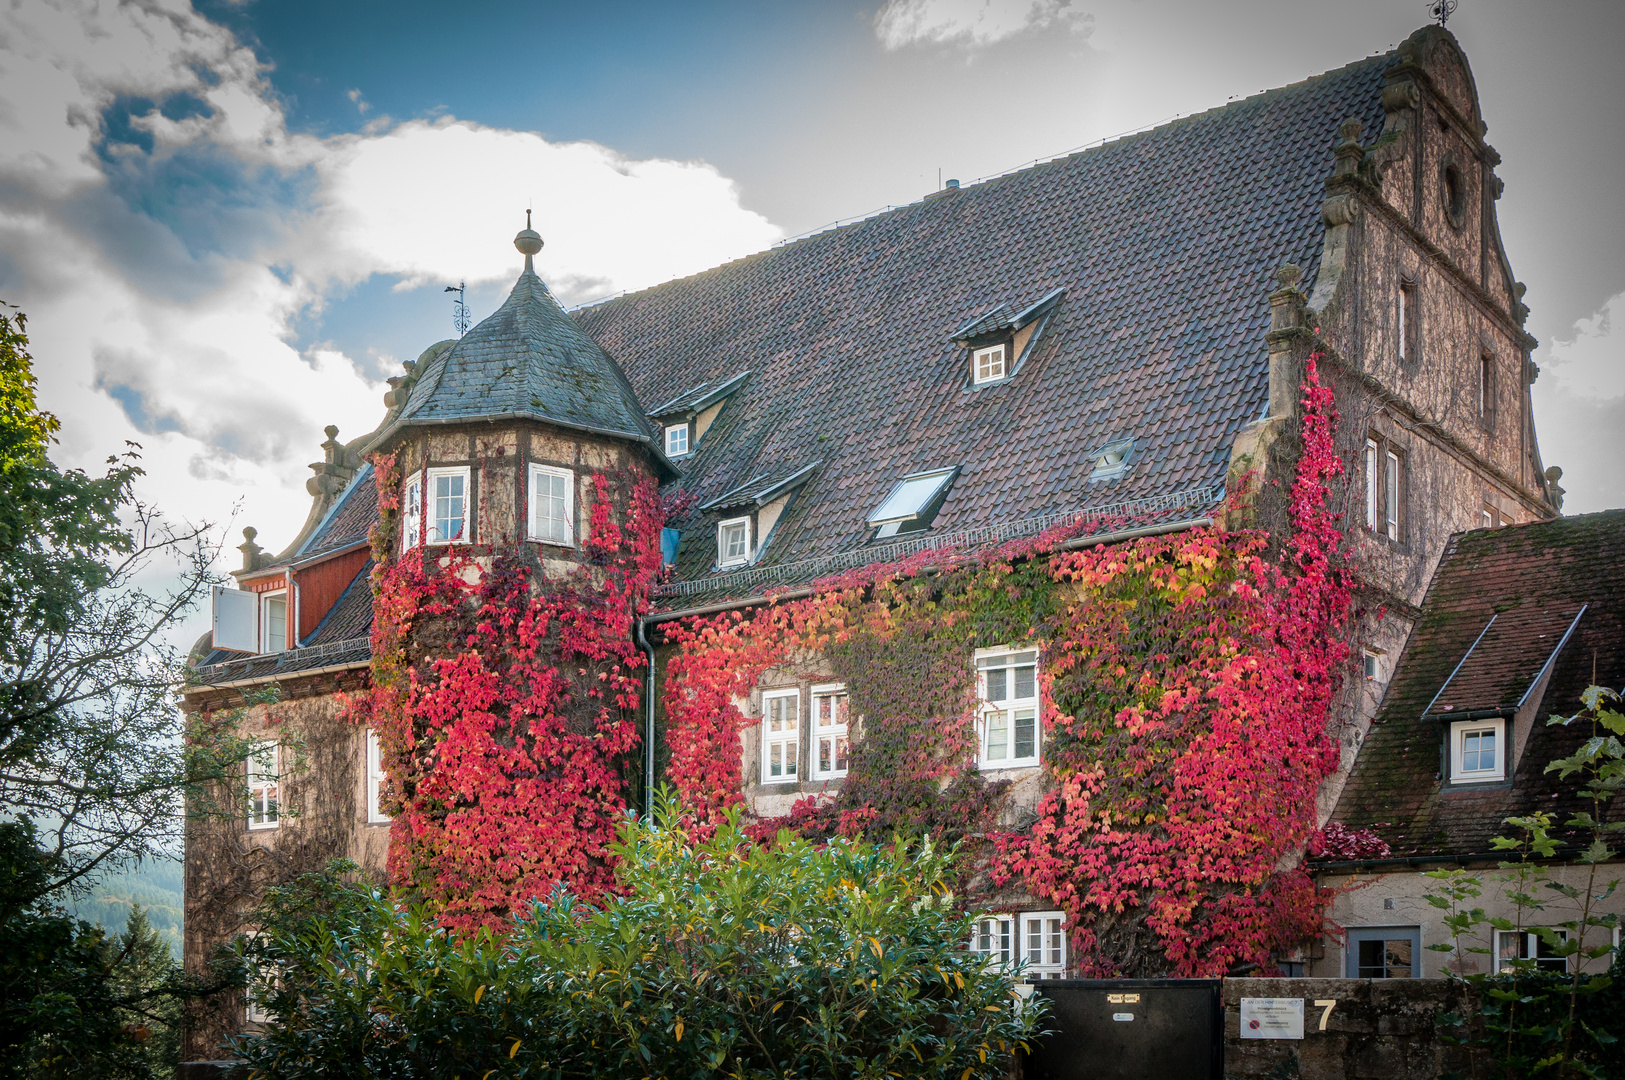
pixel 1453 190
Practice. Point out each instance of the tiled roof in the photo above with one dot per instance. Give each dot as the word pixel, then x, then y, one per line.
pixel 1532 579
pixel 528 359
pixel 348 521
pixel 696 399
pixel 1165 243
pixel 1004 318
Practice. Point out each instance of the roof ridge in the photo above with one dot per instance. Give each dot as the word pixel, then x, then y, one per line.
pixel 841 224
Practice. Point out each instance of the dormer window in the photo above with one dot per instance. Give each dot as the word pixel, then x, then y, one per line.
pixel 1112 460
pixel 912 503
pixel 274 621
pixel 999 340
pixel 1477 751
pixel 250 622
pixel 990 363
pixel 733 542
pixel 677 439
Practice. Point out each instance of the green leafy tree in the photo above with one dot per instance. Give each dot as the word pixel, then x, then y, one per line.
pixel 1538 1022
pixel 94 762
pixel 716 957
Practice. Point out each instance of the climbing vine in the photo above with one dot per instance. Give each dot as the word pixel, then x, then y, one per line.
pixel 1186 678
pixel 506 704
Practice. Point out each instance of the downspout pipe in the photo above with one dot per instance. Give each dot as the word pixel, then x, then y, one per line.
pixel 648 719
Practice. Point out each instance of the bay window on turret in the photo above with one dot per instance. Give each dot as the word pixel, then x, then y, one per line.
pixel 434 508
pixel 552 513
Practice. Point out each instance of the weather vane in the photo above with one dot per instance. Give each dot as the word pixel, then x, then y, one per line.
pixel 459 310
pixel 1441 10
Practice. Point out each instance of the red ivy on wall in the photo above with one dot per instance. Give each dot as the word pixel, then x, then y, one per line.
pixel 506 701
pixel 1187 683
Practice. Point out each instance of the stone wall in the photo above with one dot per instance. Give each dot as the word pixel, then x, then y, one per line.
pixel 1378 1029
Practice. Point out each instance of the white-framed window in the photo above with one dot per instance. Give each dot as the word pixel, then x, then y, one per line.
pixel 1372 665
pixel 994 938
pixel 1477 751
pixel 989 364
pixel 829 732
pixel 1043 944
pixel 552 517
pixel 264 786
pixel 274 621
pixel 1007 710
pixel 733 542
pixel 1371 481
pixel 1391 517
pixel 1511 945
pixel 781 736
pixel 253 1011
pixel 375 779
pixel 445 506
pixel 412 512
pixel 677 439
pixel 1407 319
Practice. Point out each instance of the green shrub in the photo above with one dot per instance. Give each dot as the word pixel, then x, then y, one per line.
pixel 720 957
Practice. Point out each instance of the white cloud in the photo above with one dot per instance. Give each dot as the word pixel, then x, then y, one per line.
pixel 972 23
pixel 163 255
pixel 1591 363
pixel 1579 402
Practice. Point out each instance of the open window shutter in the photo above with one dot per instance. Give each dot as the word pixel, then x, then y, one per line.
pixel 236 619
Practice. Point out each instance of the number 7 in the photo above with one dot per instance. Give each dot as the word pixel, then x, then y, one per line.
pixel 1330 1003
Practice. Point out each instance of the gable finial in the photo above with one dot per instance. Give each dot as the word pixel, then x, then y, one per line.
pixel 529 242
pixel 1441 10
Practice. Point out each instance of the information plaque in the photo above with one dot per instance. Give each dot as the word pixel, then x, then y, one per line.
pixel 1271 1018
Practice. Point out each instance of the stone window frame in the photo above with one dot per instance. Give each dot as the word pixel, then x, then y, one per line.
pixel 1387 487
pixel 264 787
pixel 1486 389
pixel 1408 316
pixel 375 780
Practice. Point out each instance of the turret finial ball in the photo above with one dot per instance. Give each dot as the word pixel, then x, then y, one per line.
pixel 529 241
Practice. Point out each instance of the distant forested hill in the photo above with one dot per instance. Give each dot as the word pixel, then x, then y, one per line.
pixel 156 886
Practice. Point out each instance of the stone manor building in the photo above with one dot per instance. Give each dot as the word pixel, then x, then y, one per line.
pixel 1120 332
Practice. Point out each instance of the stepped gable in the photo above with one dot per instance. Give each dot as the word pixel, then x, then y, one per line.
pixel 1165 243
pixel 1532 580
pixel 529 360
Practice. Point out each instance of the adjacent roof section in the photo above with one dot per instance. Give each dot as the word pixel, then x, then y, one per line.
pixel 694 401
pixel 527 360
pixel 1533 581
pixel 1165 244
pixel 763 489
pixel 1003 319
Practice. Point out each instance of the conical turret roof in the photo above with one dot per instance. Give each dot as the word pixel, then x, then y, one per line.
pixel 528 360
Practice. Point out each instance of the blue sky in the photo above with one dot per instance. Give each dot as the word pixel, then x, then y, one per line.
pixel 230 222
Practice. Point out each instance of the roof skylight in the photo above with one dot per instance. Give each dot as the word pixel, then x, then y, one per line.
pixel 914 501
